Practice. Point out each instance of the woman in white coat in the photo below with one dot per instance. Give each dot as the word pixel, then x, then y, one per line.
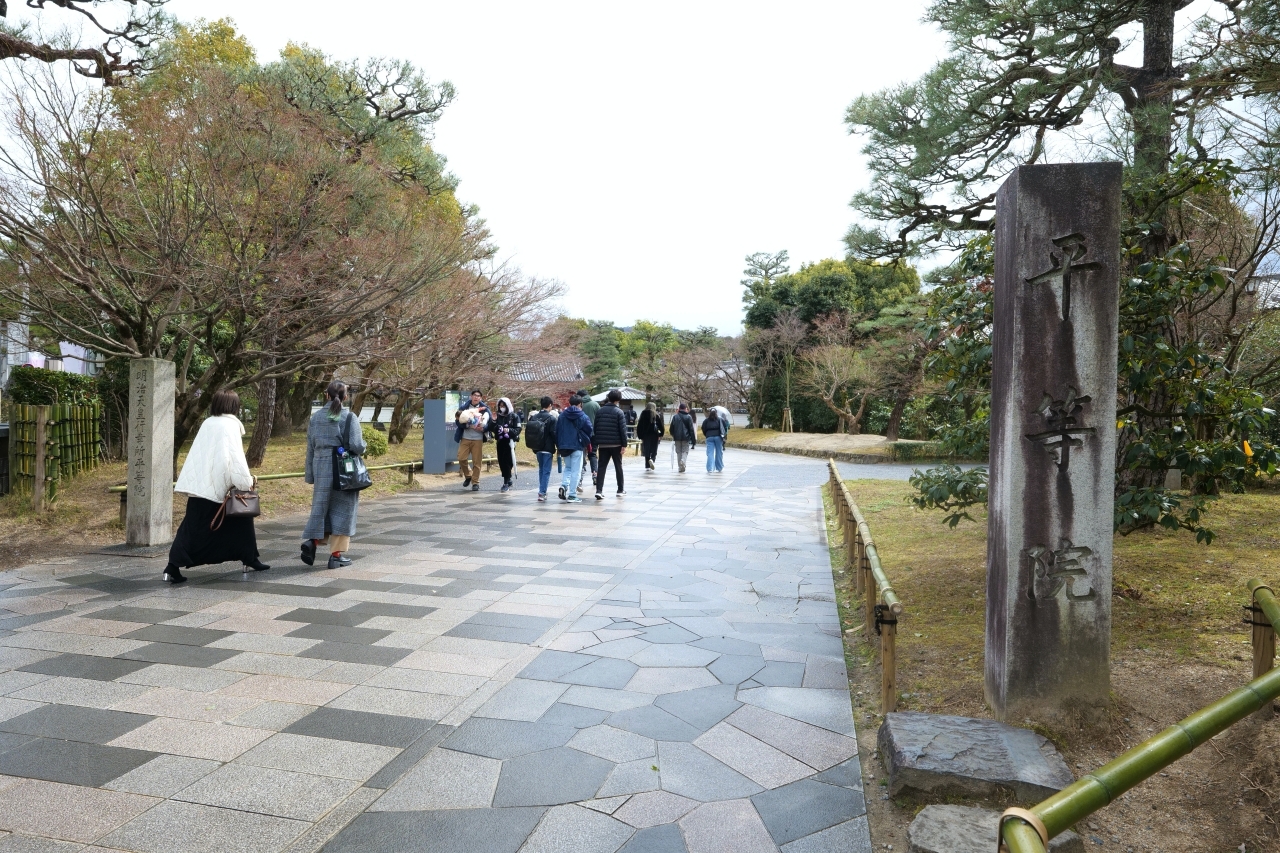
pixel 214 465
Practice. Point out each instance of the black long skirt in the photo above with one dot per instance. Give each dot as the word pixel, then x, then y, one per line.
pixel 197 545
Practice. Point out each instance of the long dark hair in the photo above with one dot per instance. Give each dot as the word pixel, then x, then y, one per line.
pixel 336 392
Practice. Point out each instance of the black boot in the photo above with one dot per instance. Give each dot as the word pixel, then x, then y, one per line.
pixel 338 561
pixel 309 552
pixel 172 574
pixel 257 565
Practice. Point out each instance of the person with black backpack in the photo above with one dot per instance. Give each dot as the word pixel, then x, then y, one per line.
pixel 540 437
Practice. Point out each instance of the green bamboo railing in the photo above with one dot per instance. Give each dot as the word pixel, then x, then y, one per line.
pixel 883 608
pixel 1097 789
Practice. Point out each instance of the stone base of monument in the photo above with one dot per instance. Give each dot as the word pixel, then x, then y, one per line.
pixel 965 829
pixel 939 756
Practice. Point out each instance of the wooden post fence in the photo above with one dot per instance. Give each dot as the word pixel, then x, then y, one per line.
pixel 882 609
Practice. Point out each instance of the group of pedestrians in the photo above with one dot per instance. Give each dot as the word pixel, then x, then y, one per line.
pixel 585 436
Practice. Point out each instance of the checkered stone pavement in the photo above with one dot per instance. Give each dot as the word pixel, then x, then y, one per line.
pixel 652 674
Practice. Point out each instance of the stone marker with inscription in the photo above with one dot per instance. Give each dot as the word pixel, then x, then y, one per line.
pixel 1053 440
pixel 149 515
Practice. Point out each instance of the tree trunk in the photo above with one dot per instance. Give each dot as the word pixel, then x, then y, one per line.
pixel 402 417
pixel 262 425
pixel 862 410
pixel 282 425
pixel 895 417
pixel 377 407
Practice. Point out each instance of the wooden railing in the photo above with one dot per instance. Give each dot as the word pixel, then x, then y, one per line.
pixel 883 609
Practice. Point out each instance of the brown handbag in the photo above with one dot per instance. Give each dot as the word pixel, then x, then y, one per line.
pixel 238 504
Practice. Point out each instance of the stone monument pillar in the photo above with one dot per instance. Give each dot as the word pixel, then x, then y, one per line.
pixel 1053 442
pixel 149 515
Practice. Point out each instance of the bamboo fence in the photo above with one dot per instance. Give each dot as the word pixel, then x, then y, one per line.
pixel 49 443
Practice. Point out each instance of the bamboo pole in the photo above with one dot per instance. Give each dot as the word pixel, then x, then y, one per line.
pixel 37 485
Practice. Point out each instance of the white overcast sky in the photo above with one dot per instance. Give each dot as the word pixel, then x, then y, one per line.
pixel 636 152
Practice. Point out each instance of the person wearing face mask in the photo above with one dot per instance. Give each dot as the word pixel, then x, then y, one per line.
pixel 504 426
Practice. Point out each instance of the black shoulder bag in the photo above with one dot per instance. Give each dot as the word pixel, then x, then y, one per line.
pixel 349 471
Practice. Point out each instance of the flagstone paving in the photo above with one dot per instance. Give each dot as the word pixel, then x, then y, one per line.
pixel 652 674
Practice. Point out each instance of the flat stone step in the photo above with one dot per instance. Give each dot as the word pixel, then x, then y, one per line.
pixel 941 756
pixel 965 829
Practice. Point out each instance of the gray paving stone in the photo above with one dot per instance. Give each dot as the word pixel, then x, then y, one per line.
pixel 85 666
pixel 29 844
pixel 70 722
pixel 846 774
pixel 932 753
pixel 356 653
pixel 573 829
pixel 163 776
pixel 175 827
pixel 852 836
pixel 394 769
pixel 603 699
pixel 178 654
pixel 613 744
pixel 668 633
pixel 805 807
pixel 828 709
pixel 552 777
pixel 781 674
pixel 522 699
pixel 446 831
pixel 653 722
pixel 339 633
pixel 263 790
pixel 444 779
pixel 361 727
pixel 577 716
pixel 735 669
pixel 149 615
pixel 273 716
pixel 653 808
pixel 633 777
pixel 668 654
pixel 506 738
pixel 619 649
pixel 177 635
pixel 551 665
pixel 690 772
pixel 815 746
pixel 606 805
pixel 604 672
pixel 322 756
pixel 726 827
pixel 656 839
pixel 701 708
pixel 88 764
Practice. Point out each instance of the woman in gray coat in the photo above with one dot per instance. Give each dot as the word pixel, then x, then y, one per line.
pixel 333 513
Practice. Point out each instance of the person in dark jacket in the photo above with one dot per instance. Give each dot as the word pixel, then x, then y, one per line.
pixel 684 434
pixel 573 436
pixel 591 408
pixel 540 436
pixel 713 430
pixel 609 435
pixel 504 426
pixel 650 429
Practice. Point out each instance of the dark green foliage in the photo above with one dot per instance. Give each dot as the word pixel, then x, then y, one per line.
pixel 816 290
pixel 35 386
pixel 601 350
pixel 375 441
pixel 951 489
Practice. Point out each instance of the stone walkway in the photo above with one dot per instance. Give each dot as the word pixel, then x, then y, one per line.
pixel 650 674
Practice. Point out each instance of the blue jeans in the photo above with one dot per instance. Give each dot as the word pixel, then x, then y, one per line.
pixel 544 471
pixel 715 453
pixel 572 472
